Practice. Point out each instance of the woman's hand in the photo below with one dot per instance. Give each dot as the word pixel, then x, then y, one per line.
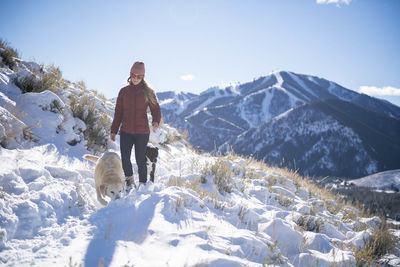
pixel 112 137
pixel 155 126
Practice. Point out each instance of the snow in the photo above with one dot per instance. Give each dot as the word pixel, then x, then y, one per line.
pixel 301 83
pixel 177 103
pixel 279 83
pixel 382 180
pixel 49 213
pixel 53 216
pixel 11 129
pixel 256 116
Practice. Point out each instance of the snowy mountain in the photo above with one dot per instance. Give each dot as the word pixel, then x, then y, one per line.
pixel 201 210
pixel 326 138
pixel 229 116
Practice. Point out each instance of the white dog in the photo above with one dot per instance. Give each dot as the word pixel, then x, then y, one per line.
pixel 108 176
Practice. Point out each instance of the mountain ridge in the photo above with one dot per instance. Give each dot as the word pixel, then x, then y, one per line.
pixel 220 115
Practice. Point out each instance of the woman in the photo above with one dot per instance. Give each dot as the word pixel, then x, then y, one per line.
pixel 131 113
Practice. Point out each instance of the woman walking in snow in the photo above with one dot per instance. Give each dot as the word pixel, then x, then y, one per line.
pixel 131 113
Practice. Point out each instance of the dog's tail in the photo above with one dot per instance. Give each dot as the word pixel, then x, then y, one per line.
pixel 91 157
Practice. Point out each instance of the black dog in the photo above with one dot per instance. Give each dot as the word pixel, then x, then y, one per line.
pixel 151 155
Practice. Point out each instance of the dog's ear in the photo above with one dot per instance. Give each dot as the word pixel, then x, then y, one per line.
pixel 103 190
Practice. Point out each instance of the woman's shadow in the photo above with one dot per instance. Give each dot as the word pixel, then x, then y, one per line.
pixel 120 220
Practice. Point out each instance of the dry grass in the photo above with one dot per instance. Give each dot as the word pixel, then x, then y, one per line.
pixel 230 154
pixel 174 136
pixel 52 80
pixel 73 264
pixel 195 185
pixel 242 212
pixel 99 95
pixel 180 202
pixel 175 181
pixel 81 85
pixel 310 223
pixel 204 173
pixel 316 191
pixel 283 200
pixel 98 124
pixel 276 257
pixel 222 175
pixel 251 173
pixel 8 54
pixel 380 243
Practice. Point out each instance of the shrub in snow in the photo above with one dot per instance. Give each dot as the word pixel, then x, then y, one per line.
pixel 97 123
pixel 8 55
pixel 222 176
pixel 284 201
pixel 51 80
pixel 379 243
pixel 276 258
pixel 174 135
pixel 309 223
pixel 81 85
pixel 3 238
pixel 13 131
pixel 374 222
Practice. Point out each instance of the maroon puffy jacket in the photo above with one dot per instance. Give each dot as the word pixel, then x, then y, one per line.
pixel 131 111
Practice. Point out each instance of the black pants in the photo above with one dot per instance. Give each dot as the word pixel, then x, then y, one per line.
pixel 126 143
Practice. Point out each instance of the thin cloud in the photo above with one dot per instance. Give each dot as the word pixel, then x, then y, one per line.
pixel 384 91
pixel 188 77
pixel 337 2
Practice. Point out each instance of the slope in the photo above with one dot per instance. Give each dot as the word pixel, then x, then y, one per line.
pixel 331 137
pixel 51 216
pixel 220 211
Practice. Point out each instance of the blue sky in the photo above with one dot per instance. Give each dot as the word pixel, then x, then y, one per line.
pixel 193 45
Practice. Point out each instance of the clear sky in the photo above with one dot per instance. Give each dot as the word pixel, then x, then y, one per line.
pixel 193 45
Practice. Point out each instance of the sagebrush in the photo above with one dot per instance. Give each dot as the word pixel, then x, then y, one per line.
pixel 98 123
pixel 8 54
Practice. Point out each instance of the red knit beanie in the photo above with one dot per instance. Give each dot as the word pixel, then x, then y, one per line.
pixel 138 68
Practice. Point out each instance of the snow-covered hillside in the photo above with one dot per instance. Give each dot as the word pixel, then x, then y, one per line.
pixel 389 180
pixel 315 139
pixel 201 210
pixel 60 115
pixel 49 215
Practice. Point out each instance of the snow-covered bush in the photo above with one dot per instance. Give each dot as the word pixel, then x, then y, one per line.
pixel 176 135
pixel 51 80
pixel 377 245
pixel 81 85
pixel 97 123
pixel 222 176
pixel 8 55
pixel 309 223
pixel 12 130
